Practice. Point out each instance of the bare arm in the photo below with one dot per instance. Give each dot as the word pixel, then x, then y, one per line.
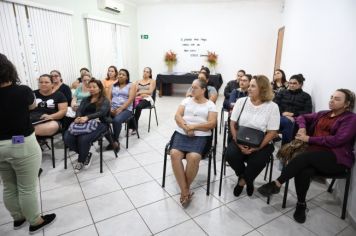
pixel 179 117
pixel 33 105
pixel 213 97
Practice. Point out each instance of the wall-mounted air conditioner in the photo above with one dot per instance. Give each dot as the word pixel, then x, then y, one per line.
pixel 111 5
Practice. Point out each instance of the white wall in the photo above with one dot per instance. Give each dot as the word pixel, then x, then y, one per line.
pixel 319 42
pixel 243 34
pixel 82 7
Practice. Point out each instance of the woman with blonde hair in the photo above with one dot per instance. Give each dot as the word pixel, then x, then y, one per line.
pixel 258 112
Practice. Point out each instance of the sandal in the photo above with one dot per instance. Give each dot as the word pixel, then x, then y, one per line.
pixel 185 200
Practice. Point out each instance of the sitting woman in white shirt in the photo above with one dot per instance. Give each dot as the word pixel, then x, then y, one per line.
pixel 195 118
pixel 257 112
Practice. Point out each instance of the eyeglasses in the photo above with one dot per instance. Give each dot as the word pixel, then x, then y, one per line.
pixel 55 75
pixel 294 83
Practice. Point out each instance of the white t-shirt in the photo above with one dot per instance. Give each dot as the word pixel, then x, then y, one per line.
pixel 195 113
pixel 263 117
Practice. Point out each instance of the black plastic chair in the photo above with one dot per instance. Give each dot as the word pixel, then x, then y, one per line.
pixel 222 121
pixel 211 149
pixel 131 120
pixel 43 141
pixel 152 107
pixel 107 133
pixel 346 175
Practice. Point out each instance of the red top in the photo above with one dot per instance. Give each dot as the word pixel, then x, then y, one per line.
pixel 323 128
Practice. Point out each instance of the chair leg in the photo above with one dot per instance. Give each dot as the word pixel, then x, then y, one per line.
pixel 330 188
pixel 346 195
pixel 214 160
pixel 285 194
pixel 267 166
pixel 101 154
pixel 127 137
pixel 221 119
pixel 156 115
pixel 209 173
pixel 149 121
pixel 270 175
pixel 65 157
pixel 221 173
pixel 53 157
pixel 164 167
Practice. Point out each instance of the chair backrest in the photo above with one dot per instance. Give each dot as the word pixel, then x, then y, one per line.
pixel 154 94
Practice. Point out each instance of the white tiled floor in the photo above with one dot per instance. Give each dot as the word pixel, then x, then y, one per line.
pixel 127 199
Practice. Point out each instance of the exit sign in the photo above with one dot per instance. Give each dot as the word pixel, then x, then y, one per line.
pixel 144 36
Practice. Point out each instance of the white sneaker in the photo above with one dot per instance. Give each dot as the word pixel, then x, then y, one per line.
pixel 78 167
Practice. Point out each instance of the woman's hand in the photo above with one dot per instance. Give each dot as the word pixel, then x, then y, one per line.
pixel 246 149
pixel 190 133
pixel 117 111
pixel 302 137
pixel 302 131
pixel 81 120
pixel 46 117
pixel 290 114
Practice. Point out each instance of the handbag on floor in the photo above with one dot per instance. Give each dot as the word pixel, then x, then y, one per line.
pixel 83 128
pixel 248 136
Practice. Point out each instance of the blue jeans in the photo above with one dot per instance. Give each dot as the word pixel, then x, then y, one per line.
pixel 81 143
pixel 287 129
pixel 117 122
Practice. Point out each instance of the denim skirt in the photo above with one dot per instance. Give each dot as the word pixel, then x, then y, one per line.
pixel 188 144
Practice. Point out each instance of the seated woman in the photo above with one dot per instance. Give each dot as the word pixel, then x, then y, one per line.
pixel 122 97
pixel 78 81
pixel 50 109
pixel 195 117
pixel 82 91
pixel 279 82
pixel 331 135
pixel 96 106
pixel 292 102
pixel 60 86
pixel 259 113
pixel 210 93
pixel 111 78
pixel 144 90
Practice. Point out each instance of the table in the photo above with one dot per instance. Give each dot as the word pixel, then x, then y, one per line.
pixel 164 81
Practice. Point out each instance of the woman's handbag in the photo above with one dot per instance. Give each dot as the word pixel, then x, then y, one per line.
pixel 83 128
pixel 248 136
pixel 290 150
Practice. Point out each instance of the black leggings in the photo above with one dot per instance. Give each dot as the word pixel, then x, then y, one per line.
pixel 143 104
pixel 255 161
pixel 306 165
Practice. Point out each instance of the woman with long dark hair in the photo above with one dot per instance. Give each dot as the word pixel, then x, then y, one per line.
pixel 94 107
pixel 144 91
pixel 20 154
pixel 122 96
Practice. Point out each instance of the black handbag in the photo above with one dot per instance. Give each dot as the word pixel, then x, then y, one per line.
pixel 248 136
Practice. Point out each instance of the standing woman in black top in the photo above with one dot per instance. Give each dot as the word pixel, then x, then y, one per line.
pixel 20 155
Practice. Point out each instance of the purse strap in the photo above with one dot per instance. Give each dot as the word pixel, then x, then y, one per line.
pixel 243 106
